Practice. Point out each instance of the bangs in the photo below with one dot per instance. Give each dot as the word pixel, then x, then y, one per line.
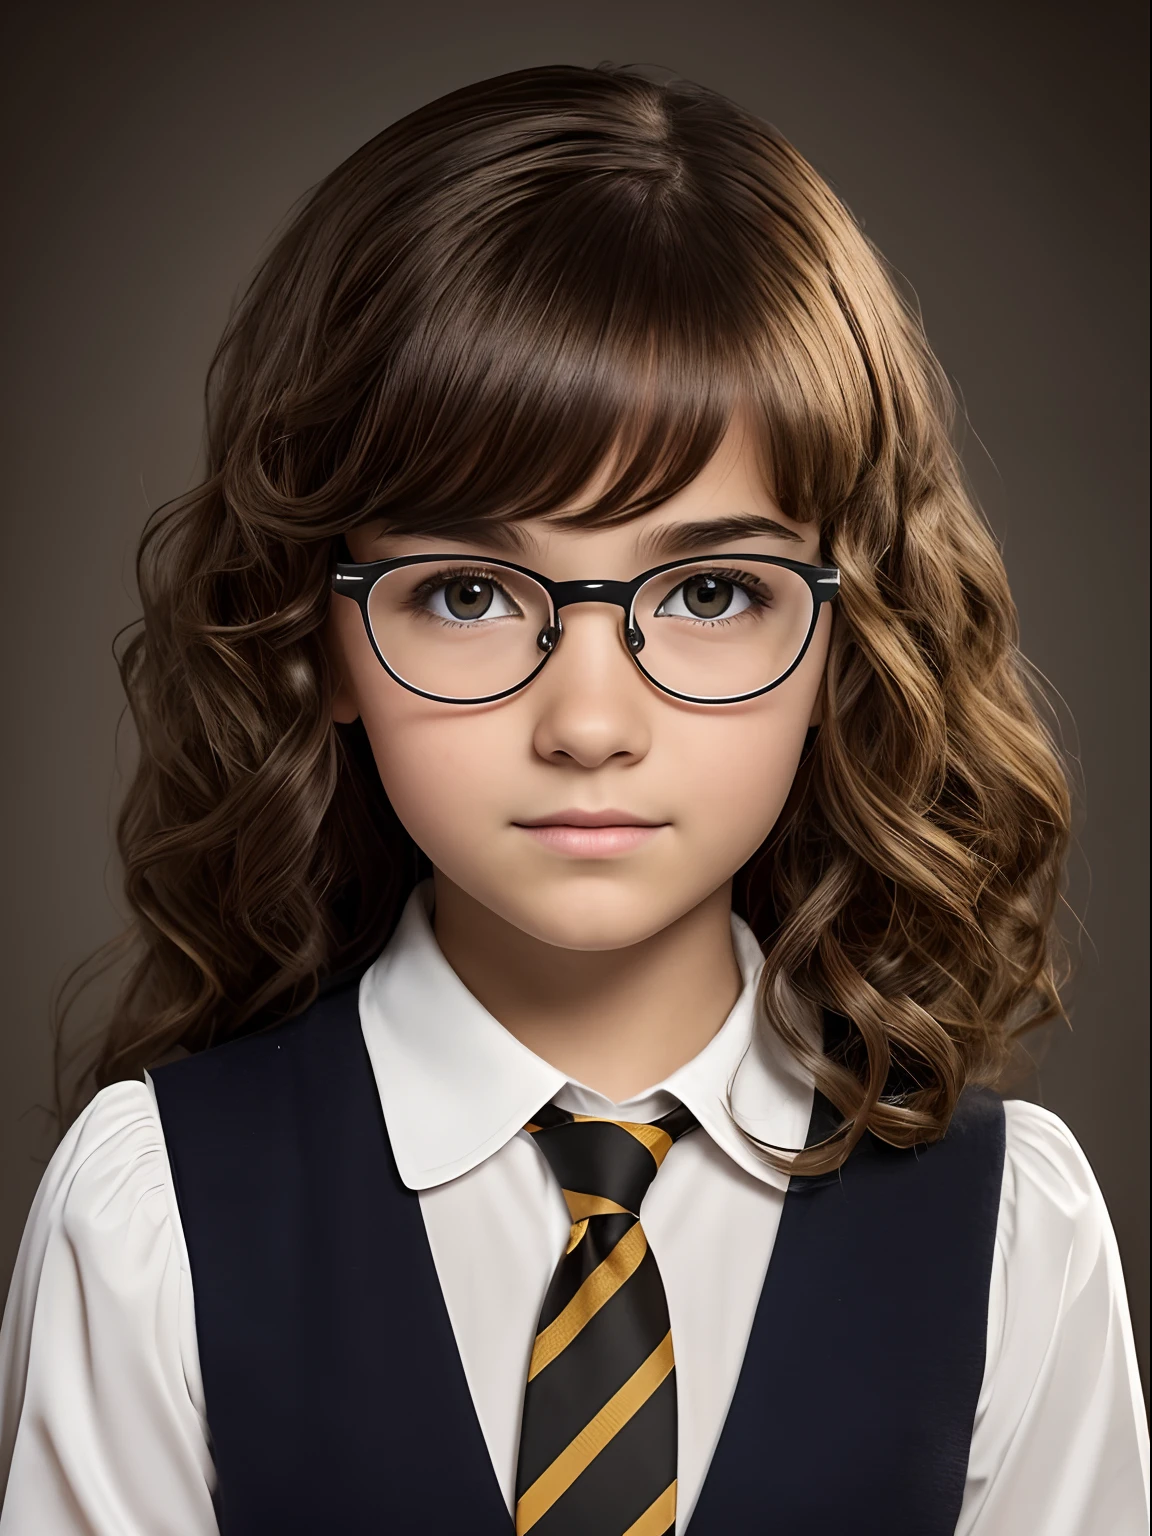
pixel 580 301
pixel 582 349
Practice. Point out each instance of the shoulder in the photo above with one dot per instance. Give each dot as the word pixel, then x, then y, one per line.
pixel 1056 1252
pixel 109 1163
pixel 107 1190
pixel 1051 1200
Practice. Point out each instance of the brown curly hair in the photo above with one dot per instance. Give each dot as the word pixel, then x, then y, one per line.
pixel 528 279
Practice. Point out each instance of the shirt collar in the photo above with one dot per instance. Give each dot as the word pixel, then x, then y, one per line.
pixel 455 1085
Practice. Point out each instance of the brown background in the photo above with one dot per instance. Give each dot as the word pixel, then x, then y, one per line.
pixel 994 151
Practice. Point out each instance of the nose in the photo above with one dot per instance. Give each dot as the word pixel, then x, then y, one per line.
pixel 593 704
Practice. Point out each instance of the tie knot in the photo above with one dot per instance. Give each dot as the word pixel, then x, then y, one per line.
pixel 605 1166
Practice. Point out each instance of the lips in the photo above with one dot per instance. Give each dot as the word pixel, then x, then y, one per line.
pixel 574 818
pixel 591 834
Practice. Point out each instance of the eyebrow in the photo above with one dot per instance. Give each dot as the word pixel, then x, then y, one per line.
pixel 679 538
pixel 487 532
pixel 669 540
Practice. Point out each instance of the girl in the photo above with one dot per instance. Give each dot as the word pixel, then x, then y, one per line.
pixel 586 775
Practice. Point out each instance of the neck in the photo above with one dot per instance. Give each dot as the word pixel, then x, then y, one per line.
pixel 618 1020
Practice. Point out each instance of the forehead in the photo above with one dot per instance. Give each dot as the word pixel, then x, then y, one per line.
pixel 728 505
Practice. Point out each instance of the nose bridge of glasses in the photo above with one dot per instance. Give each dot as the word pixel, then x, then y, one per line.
pixel 565 593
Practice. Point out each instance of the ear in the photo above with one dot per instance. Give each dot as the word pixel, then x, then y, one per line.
pixel 345 708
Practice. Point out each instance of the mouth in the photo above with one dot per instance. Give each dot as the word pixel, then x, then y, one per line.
pixel 591 834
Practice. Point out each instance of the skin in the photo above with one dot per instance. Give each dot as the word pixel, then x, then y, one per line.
pixel 616 968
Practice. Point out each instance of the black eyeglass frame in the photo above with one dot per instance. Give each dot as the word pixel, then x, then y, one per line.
pixel 356 580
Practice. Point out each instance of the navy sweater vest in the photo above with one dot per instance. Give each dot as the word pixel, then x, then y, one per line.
pixel 336 1399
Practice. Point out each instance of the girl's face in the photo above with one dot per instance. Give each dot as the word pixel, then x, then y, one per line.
pixel 590 738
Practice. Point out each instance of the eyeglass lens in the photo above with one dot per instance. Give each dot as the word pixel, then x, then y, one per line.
pixel 712 630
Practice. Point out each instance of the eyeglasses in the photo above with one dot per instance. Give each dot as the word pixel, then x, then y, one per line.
pixel 714 630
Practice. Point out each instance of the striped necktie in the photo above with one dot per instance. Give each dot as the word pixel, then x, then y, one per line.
pixel 598 1436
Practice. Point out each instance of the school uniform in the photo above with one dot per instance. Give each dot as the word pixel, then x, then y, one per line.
pixel 293 1284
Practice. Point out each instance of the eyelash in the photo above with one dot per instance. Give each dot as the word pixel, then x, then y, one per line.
pixel 747 584
pixel 741 579
pixel 453 573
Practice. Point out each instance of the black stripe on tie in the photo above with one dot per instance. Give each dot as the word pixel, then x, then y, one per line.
pixel 552 1114
pixel 677 1122
pixel 600 1158
pixel 632 1470
pixel 572 1389
pixel 603 1233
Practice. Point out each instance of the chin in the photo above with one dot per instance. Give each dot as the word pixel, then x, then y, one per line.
pixel 594 914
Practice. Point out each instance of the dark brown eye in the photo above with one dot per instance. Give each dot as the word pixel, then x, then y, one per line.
pixel 707 597
pixel 468 597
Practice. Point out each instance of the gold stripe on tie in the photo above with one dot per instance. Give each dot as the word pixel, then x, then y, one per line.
pixel 652 1137
pixel 658 1516
pixel 578 1230
pixel 581 1205
pixel 537 1500
pixel 598 1289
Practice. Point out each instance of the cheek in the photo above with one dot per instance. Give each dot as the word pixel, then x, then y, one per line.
pixel 735 773
pixel 441 767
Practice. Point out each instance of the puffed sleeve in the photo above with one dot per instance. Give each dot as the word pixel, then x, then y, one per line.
pixel 102 1429
pixel 1060 1442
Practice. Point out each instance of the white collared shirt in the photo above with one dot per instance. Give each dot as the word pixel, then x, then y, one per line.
pixel 102 1417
